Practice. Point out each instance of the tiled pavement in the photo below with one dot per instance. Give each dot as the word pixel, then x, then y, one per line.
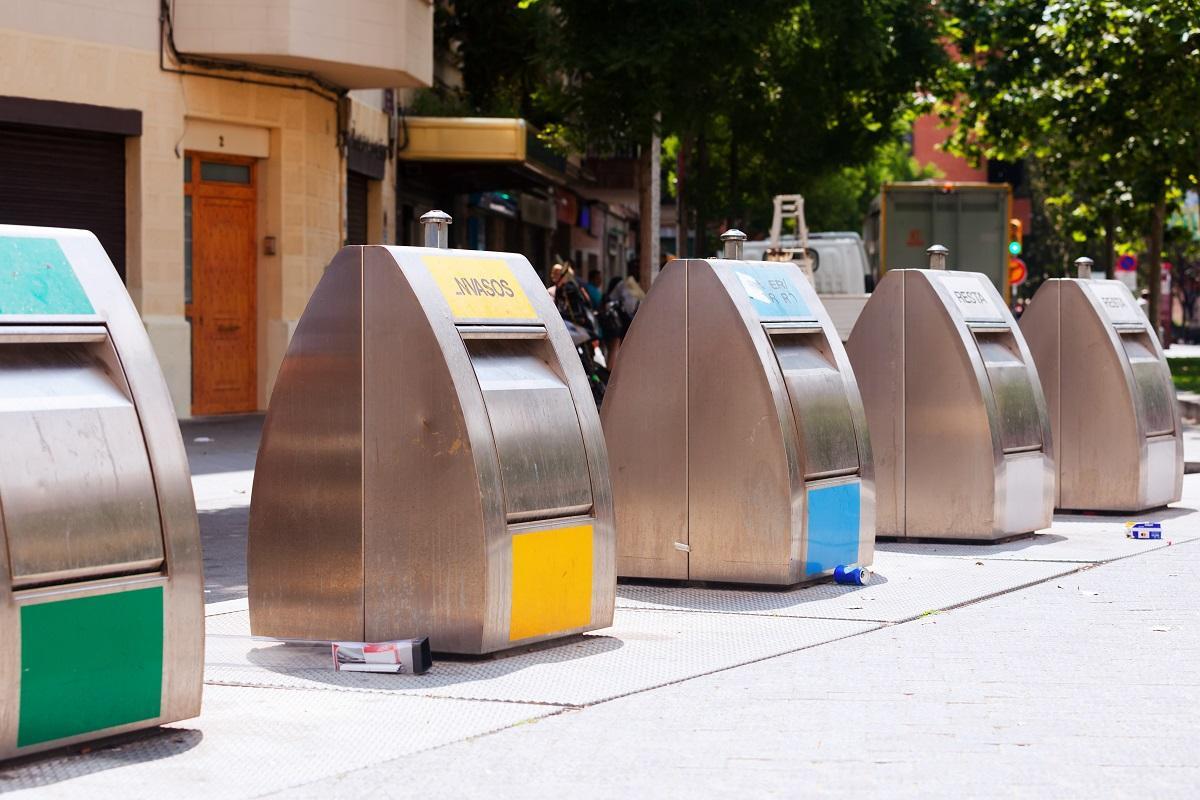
pixel 1063 665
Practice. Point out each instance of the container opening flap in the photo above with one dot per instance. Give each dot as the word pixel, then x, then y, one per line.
pixel 76 492
pixel 1016 405
pixel 536 428
pixel 818 398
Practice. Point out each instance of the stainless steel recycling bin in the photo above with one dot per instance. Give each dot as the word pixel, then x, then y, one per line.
pixel 101 592
pixel 736 433
pixel 958 421
pixel 1117 436
pixel 432 462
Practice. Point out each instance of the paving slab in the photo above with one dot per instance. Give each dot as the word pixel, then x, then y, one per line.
pixel 1081 687
pixel 249 741
pixel 904 587
pixel 642 650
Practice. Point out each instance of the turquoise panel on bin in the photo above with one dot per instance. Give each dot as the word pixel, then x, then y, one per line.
pixel 773 293
pixel 834 513
pixel 36 278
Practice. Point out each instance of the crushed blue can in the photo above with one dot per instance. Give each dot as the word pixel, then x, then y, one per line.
pixel 851 576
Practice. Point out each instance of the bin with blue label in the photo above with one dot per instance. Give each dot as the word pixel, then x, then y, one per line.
pixel 958 421
pixel 736 434
pixel 101 592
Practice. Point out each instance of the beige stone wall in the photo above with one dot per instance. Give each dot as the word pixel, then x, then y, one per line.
pixel 300 181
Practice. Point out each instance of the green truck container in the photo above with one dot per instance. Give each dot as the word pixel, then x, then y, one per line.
pixel 972 219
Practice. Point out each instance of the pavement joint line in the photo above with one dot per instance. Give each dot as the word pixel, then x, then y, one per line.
pixel 760 615
pixel 287 789
pixel 360 690
pixel 571 707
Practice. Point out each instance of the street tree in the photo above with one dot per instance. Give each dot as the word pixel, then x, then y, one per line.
pixel 1102 93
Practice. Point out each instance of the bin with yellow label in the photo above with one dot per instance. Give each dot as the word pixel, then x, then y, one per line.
pixel 432 462
pixel 101 592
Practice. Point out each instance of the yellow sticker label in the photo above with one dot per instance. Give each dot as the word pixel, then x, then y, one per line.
pixel 551 581
pixel 479 288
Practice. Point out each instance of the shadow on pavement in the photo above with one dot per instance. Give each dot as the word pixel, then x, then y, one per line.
pixel 55 766
pixel 222 444
pixel 312 662
pixel 736 598
pixel 223 539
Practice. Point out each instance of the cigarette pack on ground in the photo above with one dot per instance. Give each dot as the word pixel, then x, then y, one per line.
pixel 1143 530
pixel 409 656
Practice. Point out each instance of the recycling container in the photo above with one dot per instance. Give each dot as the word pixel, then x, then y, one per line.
pixel 431 462
pixel 736 432
pixel 958 421
pixel 1118 441
pixel 101 591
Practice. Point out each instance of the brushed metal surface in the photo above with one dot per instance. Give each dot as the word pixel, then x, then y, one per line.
pixel 535 427
pixel 305 554
pixel 745 511
pixel 645 419
pixel 75 486
pixel 715 417
pixel 819 403
pixel 1116 431
pixel 1153 396
pixel 421 441
pixel 131 364
pixel 1008 377
pixel 956 412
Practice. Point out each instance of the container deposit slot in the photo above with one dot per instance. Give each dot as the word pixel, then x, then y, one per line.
pixel 543 463
pixel 1016 405
pixel 1152 396
pixel 817 393
pixel 76 490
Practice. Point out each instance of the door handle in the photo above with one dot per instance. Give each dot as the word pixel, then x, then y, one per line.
pixel 228 328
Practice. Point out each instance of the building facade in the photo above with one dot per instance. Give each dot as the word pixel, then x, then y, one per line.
pixel 221 152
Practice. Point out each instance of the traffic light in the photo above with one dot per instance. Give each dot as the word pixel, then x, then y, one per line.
pixel 1016 237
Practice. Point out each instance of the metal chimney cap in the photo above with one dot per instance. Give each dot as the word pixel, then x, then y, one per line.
pixel 1083 267
pixel 937 256
pixel 733 239
pixel 434 223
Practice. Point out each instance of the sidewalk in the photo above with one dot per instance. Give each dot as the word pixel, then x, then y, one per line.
pixel 1067 664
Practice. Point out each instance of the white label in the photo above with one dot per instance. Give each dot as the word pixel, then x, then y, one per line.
pixel 1116 301
pixel 972 298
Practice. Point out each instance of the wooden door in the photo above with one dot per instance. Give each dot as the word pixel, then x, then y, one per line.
pixel 223 286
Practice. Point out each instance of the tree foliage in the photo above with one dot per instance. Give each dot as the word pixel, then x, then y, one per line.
pixel 1102 93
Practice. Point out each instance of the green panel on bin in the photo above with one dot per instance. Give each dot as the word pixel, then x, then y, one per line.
pixel 90 663
pixel 36 278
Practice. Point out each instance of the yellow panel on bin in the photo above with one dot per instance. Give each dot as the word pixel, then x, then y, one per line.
pixel 480 288
pixel 551 581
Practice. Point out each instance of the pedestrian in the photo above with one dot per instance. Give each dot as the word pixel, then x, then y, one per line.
pixel 592 287
pixel 621 303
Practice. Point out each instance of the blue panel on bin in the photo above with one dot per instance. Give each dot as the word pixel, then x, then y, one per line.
pixel 833 525
pixel 36 278
pixel 773 293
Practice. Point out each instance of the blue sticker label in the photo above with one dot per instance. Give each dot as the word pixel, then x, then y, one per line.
pixel 772 292
pixel 36 278
pixel 834 514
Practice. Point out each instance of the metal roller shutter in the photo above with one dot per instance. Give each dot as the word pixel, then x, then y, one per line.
pixel 356 207
pixel 65 179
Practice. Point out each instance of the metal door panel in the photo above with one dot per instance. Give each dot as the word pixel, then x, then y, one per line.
pixel 536 429
pixel 818 398
pixel 1016 405
pixel 76 491
pixel 1152 393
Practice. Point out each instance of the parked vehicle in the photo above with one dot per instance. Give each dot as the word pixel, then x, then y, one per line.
pixel 971 219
